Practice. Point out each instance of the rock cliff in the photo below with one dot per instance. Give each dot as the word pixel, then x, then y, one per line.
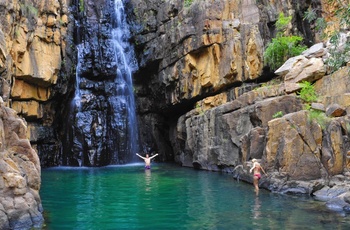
pixel 20 204
pixel 204 96
pixel 202 54
pixel 35 49
pixel 202 61
pixel 199 55
pixel 36 40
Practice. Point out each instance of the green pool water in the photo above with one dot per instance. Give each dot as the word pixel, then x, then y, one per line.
pixel 171 197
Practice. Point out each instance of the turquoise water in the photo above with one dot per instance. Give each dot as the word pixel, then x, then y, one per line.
pixel 171 197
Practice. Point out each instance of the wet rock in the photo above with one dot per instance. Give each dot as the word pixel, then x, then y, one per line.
pixel 347 197
pixel 327 193
pixel 337 204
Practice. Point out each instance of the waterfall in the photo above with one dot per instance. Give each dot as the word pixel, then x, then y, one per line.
pixel 123 101
pixel 102 125
pixel 76 102
pixel 74 110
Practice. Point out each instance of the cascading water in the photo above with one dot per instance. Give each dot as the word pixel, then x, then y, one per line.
pixel 123 103
pixel 75 109
pixel 103 122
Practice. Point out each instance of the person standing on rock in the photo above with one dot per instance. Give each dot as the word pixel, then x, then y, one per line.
pixel 147 160
pixel 257 175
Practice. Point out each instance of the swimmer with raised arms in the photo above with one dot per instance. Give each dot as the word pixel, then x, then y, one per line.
pixel 147 160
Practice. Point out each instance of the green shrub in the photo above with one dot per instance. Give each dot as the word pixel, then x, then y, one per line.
pixel 321 25
pixel 282 23
pixel 338 57
pixel 318 116
pixel 310 15
pixel 307 92
pixel 81 6
pixel 278 114
pixel 282 47
pixel 188 3
pixel 343 13
pixel 308 95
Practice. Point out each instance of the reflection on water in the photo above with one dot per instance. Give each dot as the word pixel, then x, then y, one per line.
pixel 148 180
pixel 171 197
pixel 256 209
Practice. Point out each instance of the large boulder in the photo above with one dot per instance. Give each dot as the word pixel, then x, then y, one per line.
pixel 293 147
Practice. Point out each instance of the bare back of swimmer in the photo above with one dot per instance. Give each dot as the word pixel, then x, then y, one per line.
pixel 257 175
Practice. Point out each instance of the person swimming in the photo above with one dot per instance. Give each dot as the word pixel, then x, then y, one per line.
pixel 257 175
pixel 147 160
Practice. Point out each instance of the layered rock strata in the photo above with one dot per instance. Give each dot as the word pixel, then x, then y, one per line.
pixel 194 50
pixel 36 51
